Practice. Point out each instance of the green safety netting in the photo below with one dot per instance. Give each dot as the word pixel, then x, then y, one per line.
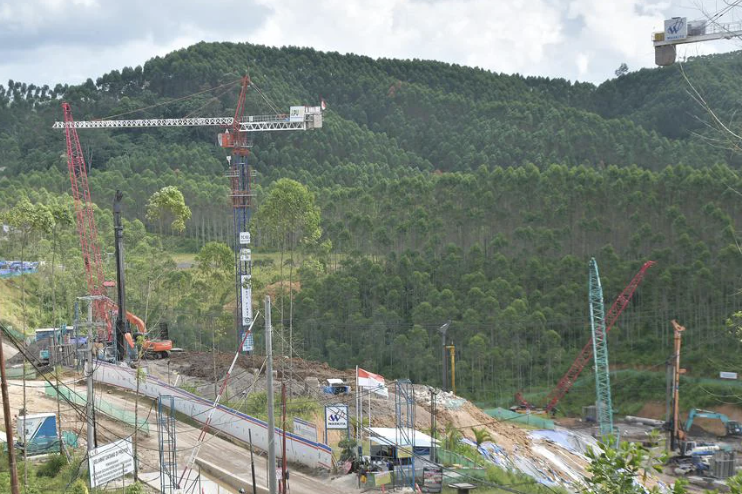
pixel 530 419
pixel 101 406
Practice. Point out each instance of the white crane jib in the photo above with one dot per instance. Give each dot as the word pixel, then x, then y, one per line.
pixel 299 118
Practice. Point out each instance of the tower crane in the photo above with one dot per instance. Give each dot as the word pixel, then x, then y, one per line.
pixel 235 140
pixel 679 30
pixel 569 378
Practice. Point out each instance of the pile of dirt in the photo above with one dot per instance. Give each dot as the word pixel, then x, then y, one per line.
pixel 201 365
pixel 31 349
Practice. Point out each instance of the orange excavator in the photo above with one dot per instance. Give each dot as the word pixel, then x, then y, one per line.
pixel 152 348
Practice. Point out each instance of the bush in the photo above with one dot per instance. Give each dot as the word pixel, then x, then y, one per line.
pixel 136 488
pixel 52 466
pixel 79 487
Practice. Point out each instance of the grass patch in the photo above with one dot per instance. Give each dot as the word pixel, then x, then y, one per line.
pixel 11 297
pixel 256 406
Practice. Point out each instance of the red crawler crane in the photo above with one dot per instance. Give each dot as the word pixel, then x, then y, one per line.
pixel 586 355
pixel 88 233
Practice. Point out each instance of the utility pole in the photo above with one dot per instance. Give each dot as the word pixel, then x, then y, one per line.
pixel 89 374
pixel 252 464
pixel 284 466
pixel 14 487
pixel 443 330
pixel 269 391
pixel 433 427
pixel 676 385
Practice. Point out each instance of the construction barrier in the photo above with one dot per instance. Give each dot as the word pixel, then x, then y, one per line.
pixel 16 371
pixel 529 419
pixel 227 420
pixel 101 405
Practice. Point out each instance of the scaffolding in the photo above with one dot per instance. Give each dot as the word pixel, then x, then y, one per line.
pixel 167 446
pixel 405 411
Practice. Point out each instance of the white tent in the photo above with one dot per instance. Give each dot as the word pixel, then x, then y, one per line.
pixel 398 437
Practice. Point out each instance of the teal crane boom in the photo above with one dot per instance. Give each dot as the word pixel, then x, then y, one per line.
pixel 600 353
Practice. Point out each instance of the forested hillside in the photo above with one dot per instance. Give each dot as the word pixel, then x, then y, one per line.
pixel 445 192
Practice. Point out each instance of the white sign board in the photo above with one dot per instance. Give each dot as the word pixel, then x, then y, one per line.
pixel 305 429
pixel 244 238
pixel 245 255
pixel 110 462
pixel 728 375
pixel 676 28
pixel 246 300
pixel 296 113
pixel 336 417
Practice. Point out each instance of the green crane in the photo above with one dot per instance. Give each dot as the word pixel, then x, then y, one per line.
pixel 600 353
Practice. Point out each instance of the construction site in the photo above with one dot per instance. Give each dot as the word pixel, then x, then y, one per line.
pixel 122 402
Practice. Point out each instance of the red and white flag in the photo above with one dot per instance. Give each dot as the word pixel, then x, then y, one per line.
pixel 373 382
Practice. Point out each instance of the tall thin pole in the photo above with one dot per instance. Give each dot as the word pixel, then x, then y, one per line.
pixel 269 388
pixel 252 464
pixel 453 368
pixel 118 228
pixel 676 384
pixel 444 378
pixel 89 375
pixel 284 466
pixel 59 406
pixel 14 487
pixel 213 357
pixel 433 426
pixel 359 410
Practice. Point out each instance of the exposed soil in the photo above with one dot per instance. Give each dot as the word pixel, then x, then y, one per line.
pixel 201 365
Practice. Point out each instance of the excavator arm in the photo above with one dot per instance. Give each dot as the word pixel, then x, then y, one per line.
pixel 704 414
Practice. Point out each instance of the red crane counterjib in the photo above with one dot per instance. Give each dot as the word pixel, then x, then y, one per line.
pixel 586 355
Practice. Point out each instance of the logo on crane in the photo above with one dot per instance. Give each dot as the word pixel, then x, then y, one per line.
pixel 676 28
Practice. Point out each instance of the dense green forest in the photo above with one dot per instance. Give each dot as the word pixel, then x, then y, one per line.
pixel 445 192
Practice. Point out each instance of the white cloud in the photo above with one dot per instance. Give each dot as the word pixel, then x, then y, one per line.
pixel 583 63
pixel 50 41
pixel 503 36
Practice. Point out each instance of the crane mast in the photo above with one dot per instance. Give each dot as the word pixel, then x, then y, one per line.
pixel 241 177
pixel 604 403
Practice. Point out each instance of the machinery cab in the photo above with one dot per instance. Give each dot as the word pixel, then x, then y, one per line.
pixel 336 387
pixel 734 428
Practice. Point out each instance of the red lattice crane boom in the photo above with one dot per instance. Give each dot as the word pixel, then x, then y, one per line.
pixel 84 218
pixel 83 206
pixel 586 355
